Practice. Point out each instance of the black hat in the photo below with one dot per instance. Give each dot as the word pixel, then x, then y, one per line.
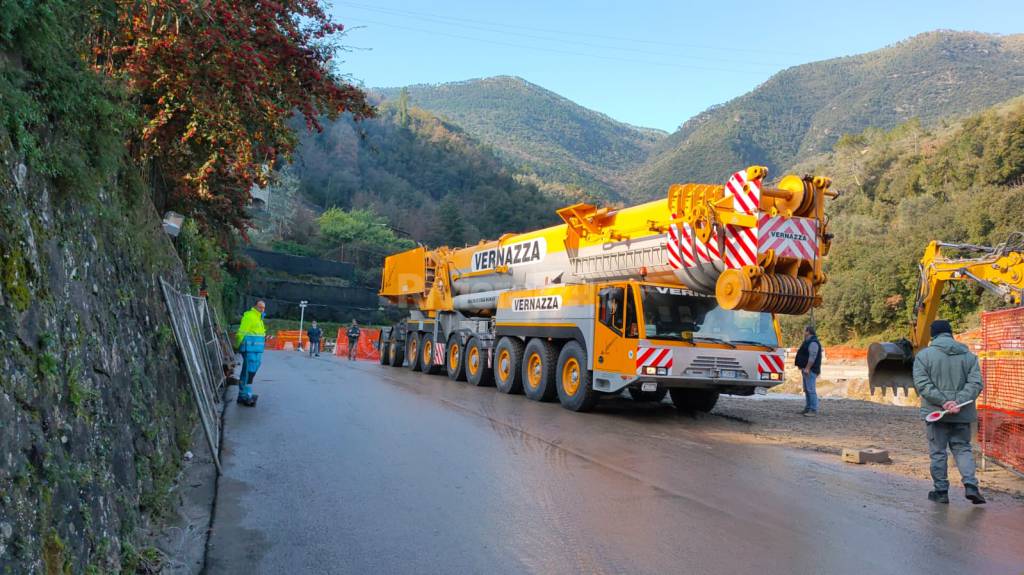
pixel 940 326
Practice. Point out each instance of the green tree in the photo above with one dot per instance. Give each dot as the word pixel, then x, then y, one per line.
pixel 362 237
pixel 406 172
pixel 365 226
pixel 452 223
pixel 403 107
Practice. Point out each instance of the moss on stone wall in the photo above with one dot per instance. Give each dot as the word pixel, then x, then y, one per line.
pixel 13 278
pixel 93 400
pixel 97 414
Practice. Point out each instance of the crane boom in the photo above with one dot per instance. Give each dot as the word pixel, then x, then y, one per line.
pixel 998 269
pixel 754 247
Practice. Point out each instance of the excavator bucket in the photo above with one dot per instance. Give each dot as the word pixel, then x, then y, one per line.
pixel 891 366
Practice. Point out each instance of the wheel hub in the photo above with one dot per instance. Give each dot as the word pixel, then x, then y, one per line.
pixel 571 377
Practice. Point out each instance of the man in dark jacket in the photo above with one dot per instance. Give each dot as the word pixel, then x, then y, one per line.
pixel 808 359
pixel 353 339
pixel 314 333
pixel 946 374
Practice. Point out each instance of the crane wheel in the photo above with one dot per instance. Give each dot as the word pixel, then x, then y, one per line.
pixel 396 353
pixel 538 368
pixel 455 359
pixel 508 356
pixel 477 372
pixel 412 351
pixel 573 379
pixel 427 351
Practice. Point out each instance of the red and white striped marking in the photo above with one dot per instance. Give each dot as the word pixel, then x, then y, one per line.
pixel 438 354
pixel 789 237
pixel 678 257
pixel 746 194
pixel 653 357
pixel 686 250
pixel 741 242
pixel 771 363
pixel 740 246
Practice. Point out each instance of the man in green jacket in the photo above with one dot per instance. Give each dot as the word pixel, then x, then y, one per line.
pixel 249 342
pixel 946 374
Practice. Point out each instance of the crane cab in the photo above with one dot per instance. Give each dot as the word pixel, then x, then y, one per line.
pixel 649 337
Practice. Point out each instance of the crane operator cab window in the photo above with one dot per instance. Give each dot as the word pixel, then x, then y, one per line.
pixel 677 314
pixel 619 317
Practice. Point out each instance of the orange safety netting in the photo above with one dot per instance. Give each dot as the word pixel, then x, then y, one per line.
pixel 1001 405
pixel 365 349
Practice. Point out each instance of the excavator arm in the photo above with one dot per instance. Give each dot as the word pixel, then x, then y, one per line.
pixel 998 269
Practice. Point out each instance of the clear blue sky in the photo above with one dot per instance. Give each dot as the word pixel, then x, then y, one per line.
pixel 648 63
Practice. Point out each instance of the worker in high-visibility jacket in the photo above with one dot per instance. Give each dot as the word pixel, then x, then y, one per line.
pixel 250 342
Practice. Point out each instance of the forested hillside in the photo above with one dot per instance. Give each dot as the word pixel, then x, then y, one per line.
pixel 539 132
pixel 930 176
pixel 425 176
pixel 903 188
pixel 804 110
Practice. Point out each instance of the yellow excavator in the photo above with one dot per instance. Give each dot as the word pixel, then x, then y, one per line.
pixel 999 269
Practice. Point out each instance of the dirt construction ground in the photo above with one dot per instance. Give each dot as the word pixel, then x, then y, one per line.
pixel 849 423
pixel 851 417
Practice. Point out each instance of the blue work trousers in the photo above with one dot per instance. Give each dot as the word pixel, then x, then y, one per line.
pixel 810 391
pixel 250 364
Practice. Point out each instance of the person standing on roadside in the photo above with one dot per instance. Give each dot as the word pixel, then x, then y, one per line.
pixel 808 359
pixel 315 334
pixel 249 342
pixel 353 339
pixel 946 374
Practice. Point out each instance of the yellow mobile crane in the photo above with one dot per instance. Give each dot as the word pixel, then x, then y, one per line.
pixel 998 269
pixel 675 295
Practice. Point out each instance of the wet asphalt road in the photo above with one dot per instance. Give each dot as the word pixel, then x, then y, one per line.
pixel 358 468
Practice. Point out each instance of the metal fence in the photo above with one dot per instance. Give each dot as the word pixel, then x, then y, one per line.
pixel 203 348
pixel 1001 405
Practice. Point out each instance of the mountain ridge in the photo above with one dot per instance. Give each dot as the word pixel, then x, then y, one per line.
pixel 804 109
pixel 391 91
pixel 797 113
pixel 539 132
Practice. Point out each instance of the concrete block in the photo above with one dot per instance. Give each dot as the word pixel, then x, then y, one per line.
pixel 866 456
pixel 289 346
